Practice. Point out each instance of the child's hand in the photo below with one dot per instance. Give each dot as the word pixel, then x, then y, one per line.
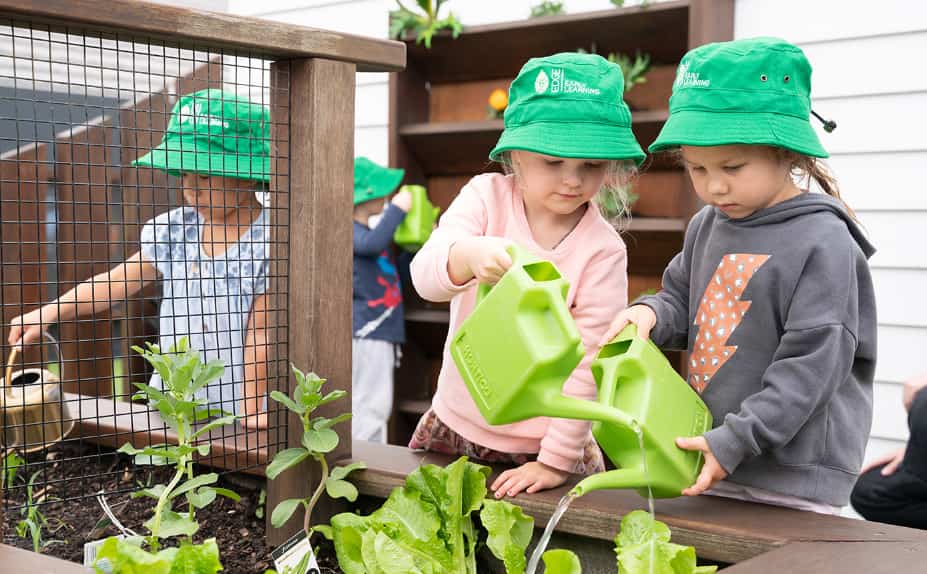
pixel 27 327
pixel 403 200
pixel 482 257
pixel 530 477
pixel 891 461
pixel 641 315
pixel 712 471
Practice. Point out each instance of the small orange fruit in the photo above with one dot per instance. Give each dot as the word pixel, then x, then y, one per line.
pixel 498 99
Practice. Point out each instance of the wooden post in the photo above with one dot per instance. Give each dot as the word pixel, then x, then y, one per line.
pixel 317 298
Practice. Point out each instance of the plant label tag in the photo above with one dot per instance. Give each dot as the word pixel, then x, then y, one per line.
pixel 90 553
pixel 295 556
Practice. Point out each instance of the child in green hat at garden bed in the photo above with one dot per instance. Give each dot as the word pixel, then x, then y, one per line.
pixel 567 149
pixel 378 318
pixel 211 255
pixel 771 294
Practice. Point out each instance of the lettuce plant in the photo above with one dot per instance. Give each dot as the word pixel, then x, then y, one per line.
pixel 183 374
pixel 427 526
pixel 643 547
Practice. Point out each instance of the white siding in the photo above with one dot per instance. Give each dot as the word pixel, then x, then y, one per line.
pixel 866 77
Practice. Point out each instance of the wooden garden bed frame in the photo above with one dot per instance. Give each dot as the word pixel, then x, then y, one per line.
pixel 322 68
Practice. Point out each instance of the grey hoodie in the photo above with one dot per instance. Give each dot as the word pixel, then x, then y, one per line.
pixel 778 314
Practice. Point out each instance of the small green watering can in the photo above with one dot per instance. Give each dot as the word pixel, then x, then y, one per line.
pixel 520 344
pixel 416 228
pixel 634 376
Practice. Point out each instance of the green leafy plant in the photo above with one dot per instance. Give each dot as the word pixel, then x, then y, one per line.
pixel 634 72
pixel 183 374
pixel 427 526
pixel 318 439
pixel 34 522
pixel 620 3
pixel 547 8
pixel 12 462
pixel 262 499
pixel 643 546
pixel 423 24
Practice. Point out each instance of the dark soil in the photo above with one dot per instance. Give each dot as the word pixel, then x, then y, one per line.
pixel 70 474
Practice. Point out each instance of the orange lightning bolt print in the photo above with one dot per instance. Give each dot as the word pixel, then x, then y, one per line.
pixel 719 313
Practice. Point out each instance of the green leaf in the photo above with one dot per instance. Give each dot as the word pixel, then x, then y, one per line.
pixel 643 546
pixel 214 424
pixel 201 498
pixel 325 530
pixel 127 557
pixel 509 533
pixel 560 561
pixel 284 511
pixel 340 489
pixel 231 494
pixel 286 401
pixel 194 483
pixel 284 460
pixel 197 558
pixel 172 524
pixel 322 441
pixel 154 492
pixel 210 372
pixel 320 423
pixel 332 396
pixel 341 472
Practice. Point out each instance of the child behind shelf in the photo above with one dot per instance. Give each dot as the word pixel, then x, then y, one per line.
pixel 211 255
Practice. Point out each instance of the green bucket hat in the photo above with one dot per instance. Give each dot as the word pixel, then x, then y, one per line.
pixel 569 105
pixel 213 132
pixel 373 181
pixel 752 91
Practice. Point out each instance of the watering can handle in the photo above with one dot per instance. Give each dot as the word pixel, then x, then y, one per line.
pixel 4 383
pixel 518 254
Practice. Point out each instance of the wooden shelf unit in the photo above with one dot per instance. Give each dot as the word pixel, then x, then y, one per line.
pixel 440 133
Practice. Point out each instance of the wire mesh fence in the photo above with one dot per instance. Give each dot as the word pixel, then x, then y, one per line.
pixel 143 199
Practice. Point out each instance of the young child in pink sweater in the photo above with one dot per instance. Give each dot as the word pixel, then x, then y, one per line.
pixel 567 149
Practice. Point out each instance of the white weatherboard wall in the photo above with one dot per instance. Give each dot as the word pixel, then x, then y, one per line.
pixel 868 76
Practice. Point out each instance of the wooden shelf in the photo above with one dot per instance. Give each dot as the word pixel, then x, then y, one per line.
pixel 428 316
pixel 658 29
pixel 656 224
pixel 413 407
pixel 455 148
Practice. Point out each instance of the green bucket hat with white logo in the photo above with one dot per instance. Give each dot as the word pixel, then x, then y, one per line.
pixel 213 132
pixel 569 105
pixel 373 181
pixel 752 91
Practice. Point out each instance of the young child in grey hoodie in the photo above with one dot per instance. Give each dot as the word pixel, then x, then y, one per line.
pixel 771 294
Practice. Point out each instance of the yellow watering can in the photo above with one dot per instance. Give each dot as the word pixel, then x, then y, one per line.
pixel 520 344
pixel 416 228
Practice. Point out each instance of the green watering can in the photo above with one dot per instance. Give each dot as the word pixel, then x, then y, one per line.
pixel 520 344
pixel 416 228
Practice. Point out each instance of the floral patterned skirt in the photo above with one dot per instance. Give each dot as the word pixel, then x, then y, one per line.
pixel 432 434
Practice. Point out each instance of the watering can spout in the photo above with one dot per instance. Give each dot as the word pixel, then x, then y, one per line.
pixel 632 478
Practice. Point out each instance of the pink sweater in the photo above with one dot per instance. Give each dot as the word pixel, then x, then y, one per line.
pixel 592 258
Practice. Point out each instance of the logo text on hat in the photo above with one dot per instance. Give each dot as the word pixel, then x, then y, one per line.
pixel 685 78
pixel 559 83
pixel 194 113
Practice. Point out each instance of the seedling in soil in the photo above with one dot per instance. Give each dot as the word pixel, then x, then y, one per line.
pixel 183 374
pixel 317 440
pixel 34 521
pixel 11 465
